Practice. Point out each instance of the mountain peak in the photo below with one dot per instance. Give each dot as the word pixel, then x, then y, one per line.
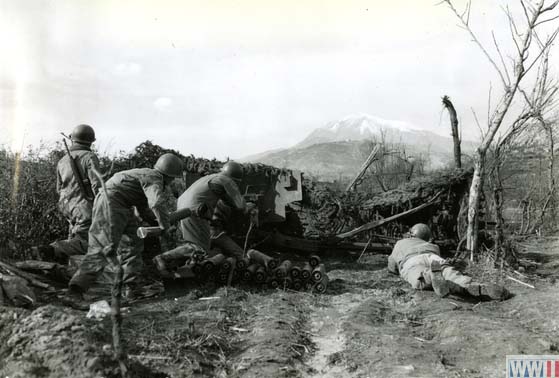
pixel 358 127
pixel 337 149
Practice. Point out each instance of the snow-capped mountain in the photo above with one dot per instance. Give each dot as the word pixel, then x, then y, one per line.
pixel 339 148
pixel 366 127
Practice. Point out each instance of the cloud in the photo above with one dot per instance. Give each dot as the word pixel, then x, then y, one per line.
pixel 163 103
pixel 128 69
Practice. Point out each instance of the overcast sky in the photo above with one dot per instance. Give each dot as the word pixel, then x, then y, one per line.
pixel 233 78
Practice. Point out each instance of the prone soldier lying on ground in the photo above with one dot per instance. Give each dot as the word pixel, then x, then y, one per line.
pixel 114 225
pixel 419 262
pixel 196 230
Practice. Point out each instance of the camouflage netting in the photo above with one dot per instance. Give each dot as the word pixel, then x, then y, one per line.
pixel 326 213
pixel 147 153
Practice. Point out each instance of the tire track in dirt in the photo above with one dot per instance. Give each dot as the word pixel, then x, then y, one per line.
pixel 332 312
pixel 328 336
pixel 278 339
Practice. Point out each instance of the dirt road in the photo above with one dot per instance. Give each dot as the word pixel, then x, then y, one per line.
pixel 368 324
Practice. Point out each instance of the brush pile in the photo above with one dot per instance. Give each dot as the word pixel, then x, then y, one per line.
pixel 326 212
pixel 257 269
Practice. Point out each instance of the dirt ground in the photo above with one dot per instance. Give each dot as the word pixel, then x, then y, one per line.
pixel 368 324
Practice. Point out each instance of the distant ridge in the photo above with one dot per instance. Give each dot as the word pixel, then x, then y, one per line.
pixel 338 149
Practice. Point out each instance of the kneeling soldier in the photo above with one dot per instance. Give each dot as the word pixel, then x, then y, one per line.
pixel 115 224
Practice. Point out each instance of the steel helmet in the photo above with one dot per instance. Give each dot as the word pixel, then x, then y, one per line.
pixel 170 165
pixel 83 134
pixel 421 231
pixel 233 169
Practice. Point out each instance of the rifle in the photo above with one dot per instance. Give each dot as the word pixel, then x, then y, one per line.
pixel 81 182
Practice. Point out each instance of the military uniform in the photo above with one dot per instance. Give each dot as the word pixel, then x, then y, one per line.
pixel 115 224
pixel 73 204
pixel 218 235
pixel 196 230
pixel 412 258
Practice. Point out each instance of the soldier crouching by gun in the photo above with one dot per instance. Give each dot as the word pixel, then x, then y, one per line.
pixel 114 225
pixel 218 226
pixel 76 185
pixel 196 230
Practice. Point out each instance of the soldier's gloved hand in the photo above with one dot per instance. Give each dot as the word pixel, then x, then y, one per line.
pixel 250 206
pixel 201 211
pixel 164 225
pixel 171 230
pixel 199 255
pixel 457 263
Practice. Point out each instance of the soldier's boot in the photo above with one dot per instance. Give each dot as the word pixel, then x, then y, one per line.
pixel 488 291
pixel 74 298
pixel 43 252
pixel 473 289
pixel 440 285
pixel 495 292
pixel 161 267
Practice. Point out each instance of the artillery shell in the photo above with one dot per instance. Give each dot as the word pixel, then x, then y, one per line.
pixel 273 264
pixel 318 272
pixel 286 283
pixel 228 263
pixel 252 268
pixel 297 285
pixel 245 275
pixel 242 263
pixel 260 275
pixel 320 287
pixel 185 271
pixel 259 258
pixel 223 276
pixel 274 283
pixel 295 272
pixel 213 262
pixel 283 270
pixel 314 261
pixel 306 271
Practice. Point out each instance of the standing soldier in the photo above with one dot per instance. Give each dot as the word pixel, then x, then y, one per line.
pixel 77 185
pixel 205 192
pixel 114 224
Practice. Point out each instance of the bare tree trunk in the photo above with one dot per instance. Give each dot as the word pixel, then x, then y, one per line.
pixel 551 169
pixel 497 184
pixel 474 202
pixel 454 129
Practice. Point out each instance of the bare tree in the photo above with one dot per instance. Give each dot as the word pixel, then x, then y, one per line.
pixel 511 78
pixel 503 145
pixel 454 131
pixel 543 101
pixel 537 105
pixel 550 201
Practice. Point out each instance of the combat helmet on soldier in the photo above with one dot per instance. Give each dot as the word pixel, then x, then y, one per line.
pixel 169 165
pixel 421 231
pixel 233 170
pixel 83 134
